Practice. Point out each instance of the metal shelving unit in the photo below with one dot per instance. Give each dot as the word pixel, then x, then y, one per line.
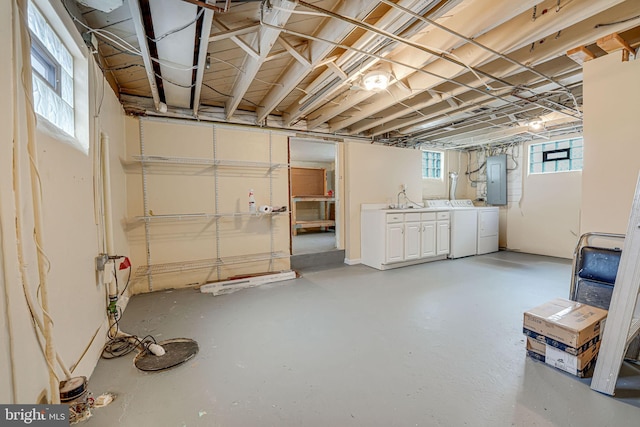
pixel 195 216
pixel 148 161
pixel 204 264
pixel 194 161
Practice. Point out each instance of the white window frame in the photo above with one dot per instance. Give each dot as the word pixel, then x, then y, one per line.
pixel 62 25
pixel 559 147
pixel 441 159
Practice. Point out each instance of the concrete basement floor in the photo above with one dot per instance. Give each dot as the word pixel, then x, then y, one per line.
pixel 438 344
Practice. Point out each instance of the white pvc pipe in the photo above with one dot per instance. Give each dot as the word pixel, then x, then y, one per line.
pixel 106 192
pixel 105 173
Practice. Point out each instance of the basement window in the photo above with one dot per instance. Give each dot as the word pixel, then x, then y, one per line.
pixel 431 165
pixel 557 156
pixel 52 74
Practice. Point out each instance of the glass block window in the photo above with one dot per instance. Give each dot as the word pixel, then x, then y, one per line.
pixel 52 74
pixel 557 156
pixel 431 164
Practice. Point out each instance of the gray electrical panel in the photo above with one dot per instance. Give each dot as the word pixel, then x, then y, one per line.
pixel 497 180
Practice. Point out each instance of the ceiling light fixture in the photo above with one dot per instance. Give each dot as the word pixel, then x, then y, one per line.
pixel 536 124
pixel 376 80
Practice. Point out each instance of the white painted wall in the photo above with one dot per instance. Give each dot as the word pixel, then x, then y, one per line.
pixel 71 235
pixel 454 161
pixel 373 174
pixel 546 220
pixel 543 211
pixel 611 147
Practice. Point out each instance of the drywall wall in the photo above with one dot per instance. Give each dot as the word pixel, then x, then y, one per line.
pixel 374 174
pixel 611 150
pixel 71 235
pixel 546 220
pixel 542 215
pixel 453 161
pixel 199 211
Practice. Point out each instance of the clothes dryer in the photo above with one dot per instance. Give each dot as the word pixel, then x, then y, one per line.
pixel 488 229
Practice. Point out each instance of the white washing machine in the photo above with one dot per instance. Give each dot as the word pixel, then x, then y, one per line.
pixel 464 228
pixel 488 229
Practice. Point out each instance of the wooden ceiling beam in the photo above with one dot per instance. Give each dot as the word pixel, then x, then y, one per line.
pixel 265 38
pixel 230 33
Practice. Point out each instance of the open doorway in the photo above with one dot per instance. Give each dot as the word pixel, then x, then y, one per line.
pixel 313 196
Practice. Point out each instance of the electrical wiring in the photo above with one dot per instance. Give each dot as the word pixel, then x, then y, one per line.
pixel 119 346
pixel 606 24
pixel 177 30
pixel 404 105
pixel 123 67
pixel 173 83
pixel 392 61
pixel 447 56
pixel 224 94
pixel 126 284
pixel 122 45
pixel 243 72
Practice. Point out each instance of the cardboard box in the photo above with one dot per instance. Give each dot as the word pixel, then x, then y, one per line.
pixel 571 350
pixel 575 365
pixel 536 346
pixel 579 365
pixel 564 323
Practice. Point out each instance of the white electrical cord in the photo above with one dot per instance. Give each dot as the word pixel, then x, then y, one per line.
pixel 22 51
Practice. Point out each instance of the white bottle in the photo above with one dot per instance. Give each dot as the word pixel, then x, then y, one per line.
pixel 252 202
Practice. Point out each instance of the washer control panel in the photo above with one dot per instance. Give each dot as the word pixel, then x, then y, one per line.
pixel 462 203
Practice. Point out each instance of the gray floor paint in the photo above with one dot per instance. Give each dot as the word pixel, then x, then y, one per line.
pixel 437 344
pixel 306 243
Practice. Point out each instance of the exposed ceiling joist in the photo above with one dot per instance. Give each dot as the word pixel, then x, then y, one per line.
pixel 292 50
pixel 205 30
pixel 395 21
pixel 471 19
pixel 512 35
pixel 149 66
pixel 237 40
pixel 265 39
pixel 246 29
pixel 462 72
pixel 297 71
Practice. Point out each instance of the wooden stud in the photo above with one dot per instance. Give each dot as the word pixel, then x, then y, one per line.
pixel 580 54
pixel 614 42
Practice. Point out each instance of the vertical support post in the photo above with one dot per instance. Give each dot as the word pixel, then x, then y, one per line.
pixel 145 207
pixel 215 190
pixel 271 217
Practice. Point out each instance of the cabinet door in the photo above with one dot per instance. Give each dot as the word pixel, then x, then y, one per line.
pixel 394 246
pixel 411 240
pixel 443 238
pixel 428 238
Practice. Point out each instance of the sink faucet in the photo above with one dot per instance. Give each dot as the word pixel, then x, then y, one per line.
pixel 405 195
